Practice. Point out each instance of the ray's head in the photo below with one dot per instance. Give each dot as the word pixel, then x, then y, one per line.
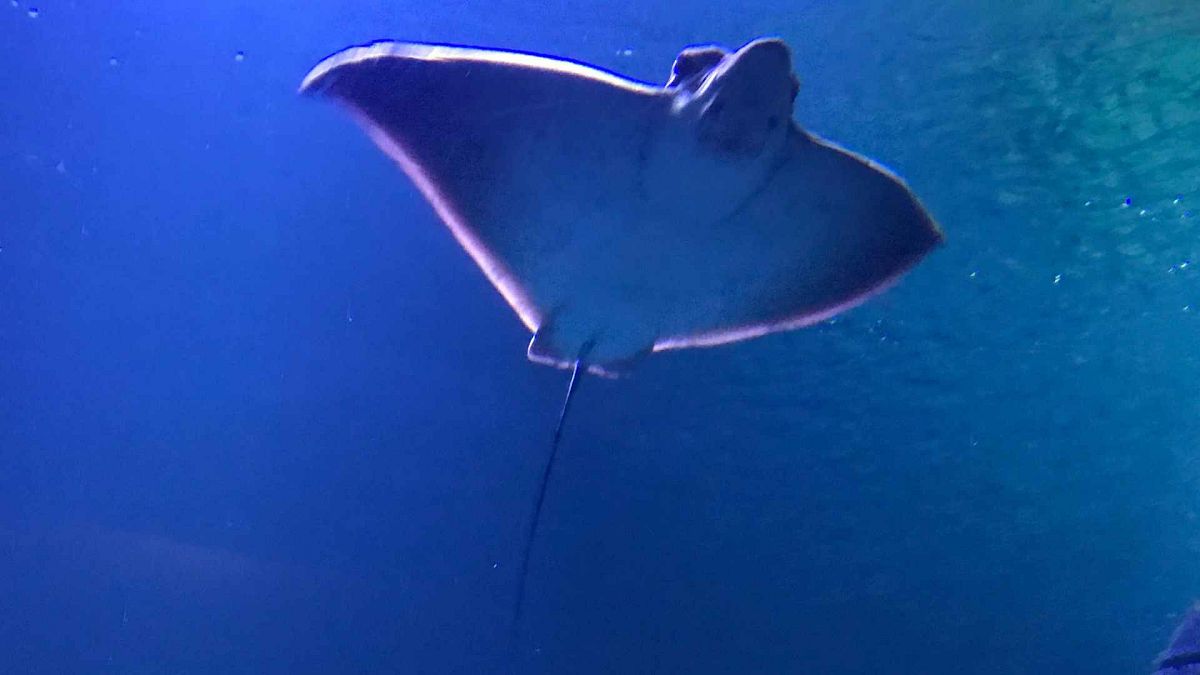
pixel 740 102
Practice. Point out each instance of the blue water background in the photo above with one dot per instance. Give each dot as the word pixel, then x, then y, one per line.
pixel 260 414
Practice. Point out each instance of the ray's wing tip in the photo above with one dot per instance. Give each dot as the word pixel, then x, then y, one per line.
pixel 322 77
pixel 932 227
pixel 937 235
pixel 925 220
pixel 930 231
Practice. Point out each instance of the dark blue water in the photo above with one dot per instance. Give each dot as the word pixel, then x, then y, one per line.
pixel 260 414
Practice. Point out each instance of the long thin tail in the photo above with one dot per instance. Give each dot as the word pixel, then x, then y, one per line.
pixel 519 601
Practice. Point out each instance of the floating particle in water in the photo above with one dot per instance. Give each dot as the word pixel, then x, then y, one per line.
pixel 1142 212
pixel 14 3
pixel 1178 199
pixel 33 12
pixel 113 62
pixel 1057 278
pixel 972 275
pixel 625 52
pixel 1088 203
pixel 239 57
pixel 61 167
pixel 1184 265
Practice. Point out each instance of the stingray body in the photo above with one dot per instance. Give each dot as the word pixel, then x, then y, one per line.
pixel 620 218
pixel 630 217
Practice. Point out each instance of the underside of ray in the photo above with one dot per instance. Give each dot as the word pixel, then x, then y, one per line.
pixel 635 217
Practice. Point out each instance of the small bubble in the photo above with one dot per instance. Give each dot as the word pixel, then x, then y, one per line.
pixel 625 52
pixel 33 12
pixel 1088 203
pixel 1142 212
pixel 239 57
pixel 113 62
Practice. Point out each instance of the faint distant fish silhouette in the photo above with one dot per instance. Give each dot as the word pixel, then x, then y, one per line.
pixel 620 218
